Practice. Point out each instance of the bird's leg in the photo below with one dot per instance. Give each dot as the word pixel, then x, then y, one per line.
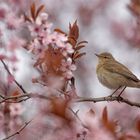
pixel 122 91
pixel 115 91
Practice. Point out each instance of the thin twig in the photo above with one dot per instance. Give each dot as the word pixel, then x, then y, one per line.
pixel 76 115
pixel 18 132
pixel 24 97
pixel 109 98
pixel 2 96
pixel 8 71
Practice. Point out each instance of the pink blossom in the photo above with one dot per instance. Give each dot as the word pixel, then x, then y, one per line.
pixel 56 40
pixel 36 47
pixel 41 27
pixel 67 49
pixel 42 18
pixel 68 74
pixel 68 67
pixel 13 22
pixel 16 109
pixel 2 13
pixel 34 29
pixel 60 39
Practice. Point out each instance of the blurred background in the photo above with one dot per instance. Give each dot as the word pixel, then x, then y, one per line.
pixel 108 26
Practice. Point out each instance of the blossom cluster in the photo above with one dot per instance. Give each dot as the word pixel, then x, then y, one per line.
pixel 43 37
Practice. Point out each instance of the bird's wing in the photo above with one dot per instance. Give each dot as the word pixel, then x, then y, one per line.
pixel 119 68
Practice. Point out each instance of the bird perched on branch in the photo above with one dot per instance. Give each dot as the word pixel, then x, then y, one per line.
pixel 113 74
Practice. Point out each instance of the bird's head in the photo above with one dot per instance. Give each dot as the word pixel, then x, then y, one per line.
pixel 105 56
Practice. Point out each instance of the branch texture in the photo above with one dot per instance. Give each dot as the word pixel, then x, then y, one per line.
pixel 109 98
pixel 18 132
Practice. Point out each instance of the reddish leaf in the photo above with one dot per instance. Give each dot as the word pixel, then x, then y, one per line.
pixel 78 55
pixel 33 10
pixel 127 137
pixel 138 125
pixel 59 31
pixel 134 7
pixel 74 30
pixel 131 137
pixel 105 115
pixel 81 42
pixel 39 10
pixel 110 125
pixel 59 107
pixel 79 47
pixel 72 41
pixel 27 18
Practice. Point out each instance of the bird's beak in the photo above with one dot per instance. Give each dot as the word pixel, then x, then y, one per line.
pixel 97 54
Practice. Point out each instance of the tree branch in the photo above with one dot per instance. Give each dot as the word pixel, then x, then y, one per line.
pixel 24 97
pixel 18 132
pixel 109 98
pixel 8 71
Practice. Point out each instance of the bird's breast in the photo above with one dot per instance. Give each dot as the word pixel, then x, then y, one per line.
pixel 109 79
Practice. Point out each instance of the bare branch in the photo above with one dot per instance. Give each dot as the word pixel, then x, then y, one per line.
pixel 18 132
pixel 109 98
pixel 8 71
pixel 77 117
pixel 24 97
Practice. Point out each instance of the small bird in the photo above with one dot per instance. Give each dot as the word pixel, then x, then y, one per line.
pixel 113 74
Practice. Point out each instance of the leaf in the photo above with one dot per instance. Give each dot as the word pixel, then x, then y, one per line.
pixel 33 10
pixel 105 115
pixel 74 30
pixel 79 47
pixel 138 125
pixel 79 55
pixel 59 107
pixel 39 10
pixel 127 137
pixel 59 31
pixel 109 124
pixel 134 7
pixel 82 42
pixel 72 41
pixel 51 61
pixel 27 18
